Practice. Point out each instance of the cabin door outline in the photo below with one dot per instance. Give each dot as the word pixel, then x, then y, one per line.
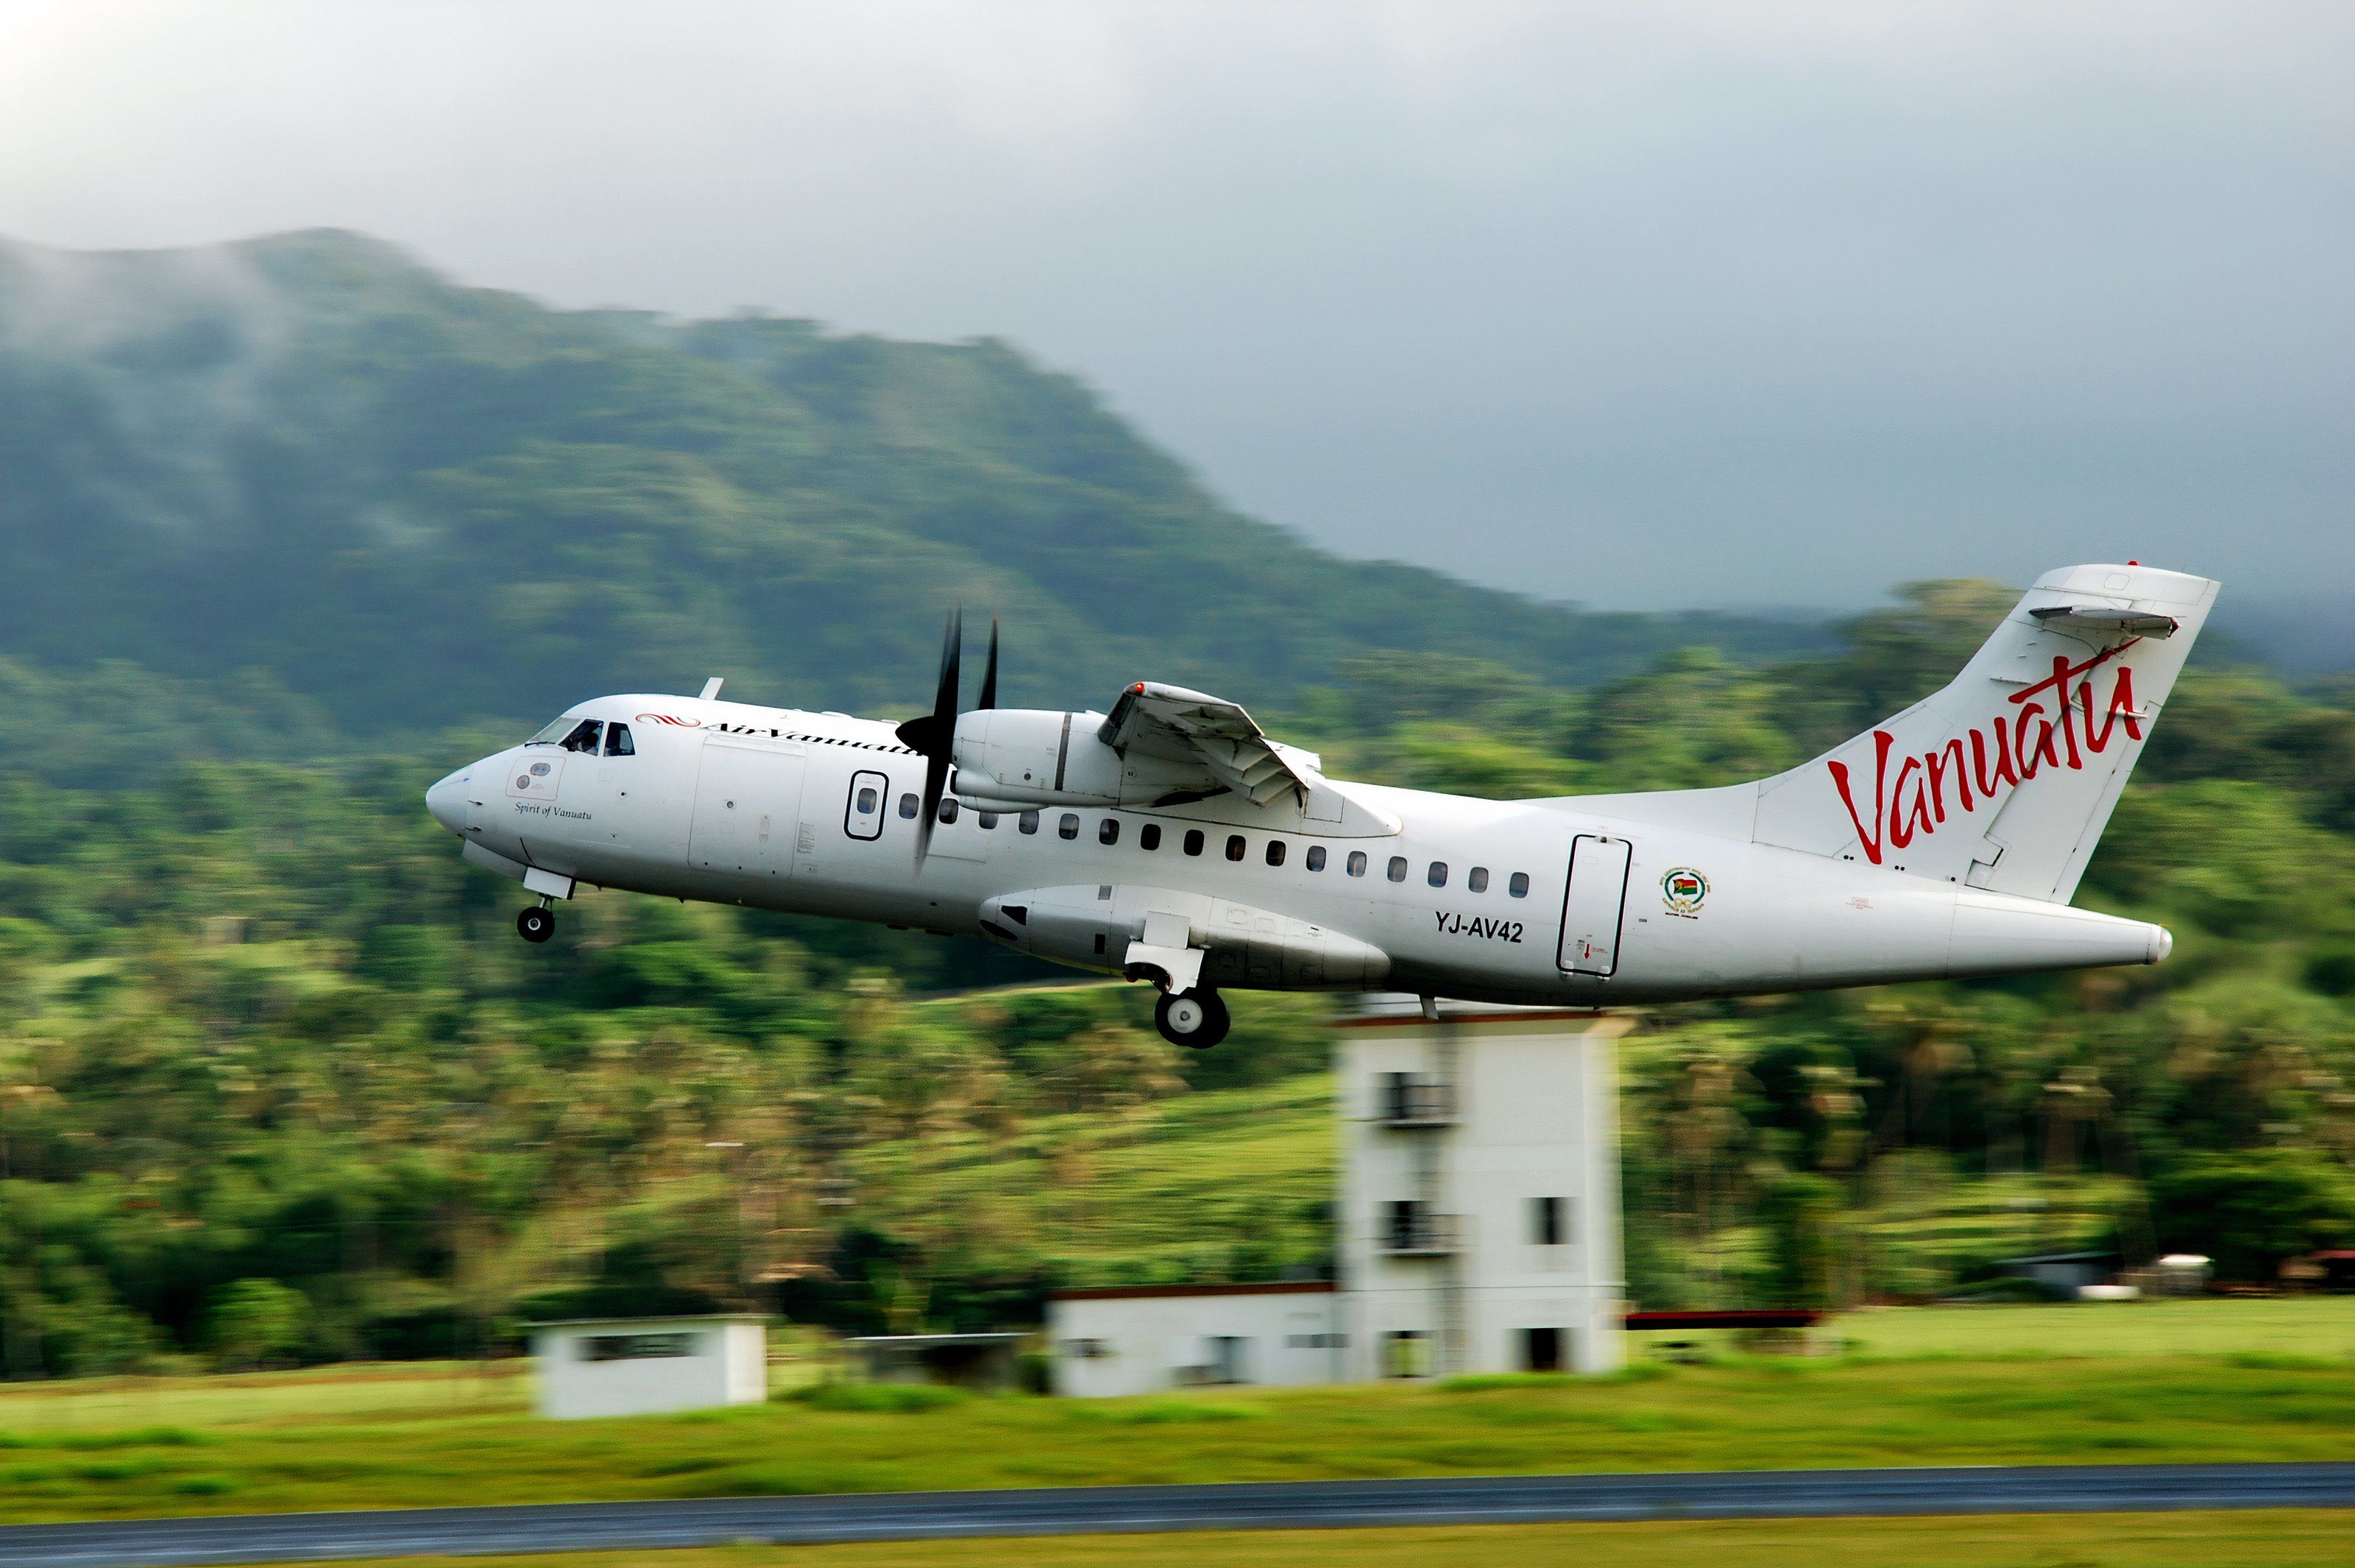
pixel 747 810
pixel 1595 905
pixel 866 826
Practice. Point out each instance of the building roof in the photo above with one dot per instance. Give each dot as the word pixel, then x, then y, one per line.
pixel 761 1317
pixel 925 1341
pixel 1140 1292
pixel 1757 1317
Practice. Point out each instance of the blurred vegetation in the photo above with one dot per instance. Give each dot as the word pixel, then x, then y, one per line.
pixel 278 1083
pixel 292 526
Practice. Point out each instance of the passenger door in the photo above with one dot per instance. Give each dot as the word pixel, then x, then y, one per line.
pixel 1592 908
pixel 748 801
pixel 870 802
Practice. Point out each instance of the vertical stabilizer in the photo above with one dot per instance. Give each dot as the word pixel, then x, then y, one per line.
pixel 2004 779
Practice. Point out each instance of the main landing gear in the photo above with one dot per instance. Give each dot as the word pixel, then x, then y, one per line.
pixel 537 923
pixel 1196 1019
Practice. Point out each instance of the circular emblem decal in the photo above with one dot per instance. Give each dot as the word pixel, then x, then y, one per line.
pixel 540 770
pixel 522 781
pixel 1683 889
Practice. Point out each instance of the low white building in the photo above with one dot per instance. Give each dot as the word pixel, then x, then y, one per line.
pixel 1151 1337
pixel 644 1366
pixel 1476 1226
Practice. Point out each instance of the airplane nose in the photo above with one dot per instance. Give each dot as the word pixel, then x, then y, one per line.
pixel 447 802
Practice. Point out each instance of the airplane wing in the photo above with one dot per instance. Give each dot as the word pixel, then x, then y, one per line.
pixel 1176 725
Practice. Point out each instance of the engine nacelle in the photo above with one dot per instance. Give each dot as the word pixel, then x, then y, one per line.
pixel 1015 758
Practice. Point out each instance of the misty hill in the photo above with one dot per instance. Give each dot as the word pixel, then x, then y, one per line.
pixel 416 504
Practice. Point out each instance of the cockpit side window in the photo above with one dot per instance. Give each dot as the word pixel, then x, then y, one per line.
pixel 583 737
pixel 618 743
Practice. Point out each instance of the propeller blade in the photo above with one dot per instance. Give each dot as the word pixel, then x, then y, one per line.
pixel 989 670
pixel 934 731
pixel 936 778
pixel 934 734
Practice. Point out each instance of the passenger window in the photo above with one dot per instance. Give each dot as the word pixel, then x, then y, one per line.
pixel 1068 825
pixel 1030 823
pixel 1275 851
pixel 1438 874
pixel 866 800
pixel 1316 857
pixel 1479 881
pixel 583 737
pixel 1398 868
pixel 907 806
pixel 618 743
pixel 1193 840
pixel 1149 836
pixel 1235 846
pixel 1357 862
pixel 1520 886
pixel 948 811
pixel 986 818
pixel 1108 830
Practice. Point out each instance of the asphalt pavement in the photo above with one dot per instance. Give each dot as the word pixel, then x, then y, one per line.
pixel 1281 1505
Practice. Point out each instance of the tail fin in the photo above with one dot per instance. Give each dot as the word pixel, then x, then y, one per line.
pixel 2004 779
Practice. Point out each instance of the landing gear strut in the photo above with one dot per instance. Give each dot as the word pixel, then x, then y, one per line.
pixel 1198 1020
pixel 537 923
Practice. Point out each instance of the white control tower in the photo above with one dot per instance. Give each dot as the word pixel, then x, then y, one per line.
pixel 1478 1228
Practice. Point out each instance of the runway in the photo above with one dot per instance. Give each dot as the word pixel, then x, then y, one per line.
pixel 1285 1505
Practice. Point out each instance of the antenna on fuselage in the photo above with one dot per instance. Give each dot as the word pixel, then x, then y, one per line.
pixel 711 687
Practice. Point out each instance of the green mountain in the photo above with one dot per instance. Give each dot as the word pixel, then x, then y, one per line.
pixel 414 504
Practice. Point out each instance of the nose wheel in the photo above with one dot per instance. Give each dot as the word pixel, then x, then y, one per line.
pixel 537 923
pixel 1198 1020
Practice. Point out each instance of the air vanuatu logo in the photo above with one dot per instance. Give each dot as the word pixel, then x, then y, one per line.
pixel 667 718
pixel 1682 891
pixel 1909 800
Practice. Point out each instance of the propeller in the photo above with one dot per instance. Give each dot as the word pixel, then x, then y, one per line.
pixel 932 736
pixel 990 671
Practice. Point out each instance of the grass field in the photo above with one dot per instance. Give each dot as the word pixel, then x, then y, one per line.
pixel 2208 1379
pixel 2292 1326
pixel 1764 1414
pixel 2276 1539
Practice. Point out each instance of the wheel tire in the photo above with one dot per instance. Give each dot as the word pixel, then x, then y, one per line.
pixel 536 924
pixel 1196 1021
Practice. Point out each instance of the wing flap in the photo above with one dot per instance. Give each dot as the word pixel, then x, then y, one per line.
pixel 1174 724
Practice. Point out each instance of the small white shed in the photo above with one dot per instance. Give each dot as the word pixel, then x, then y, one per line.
pixel 644 1366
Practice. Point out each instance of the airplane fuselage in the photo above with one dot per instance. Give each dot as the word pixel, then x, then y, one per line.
pixel 1528 902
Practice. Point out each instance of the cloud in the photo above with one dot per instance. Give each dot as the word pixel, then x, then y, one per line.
pixel 1634 304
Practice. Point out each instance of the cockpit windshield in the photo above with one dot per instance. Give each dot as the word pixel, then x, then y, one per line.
pixel 572 734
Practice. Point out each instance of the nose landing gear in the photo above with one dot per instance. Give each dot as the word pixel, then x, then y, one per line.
pixel 537 923
pixel 1196 1019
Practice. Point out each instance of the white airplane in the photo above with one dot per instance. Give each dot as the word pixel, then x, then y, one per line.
pixel 1171 842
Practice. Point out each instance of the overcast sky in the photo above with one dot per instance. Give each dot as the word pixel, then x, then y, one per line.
pixel 1639 305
